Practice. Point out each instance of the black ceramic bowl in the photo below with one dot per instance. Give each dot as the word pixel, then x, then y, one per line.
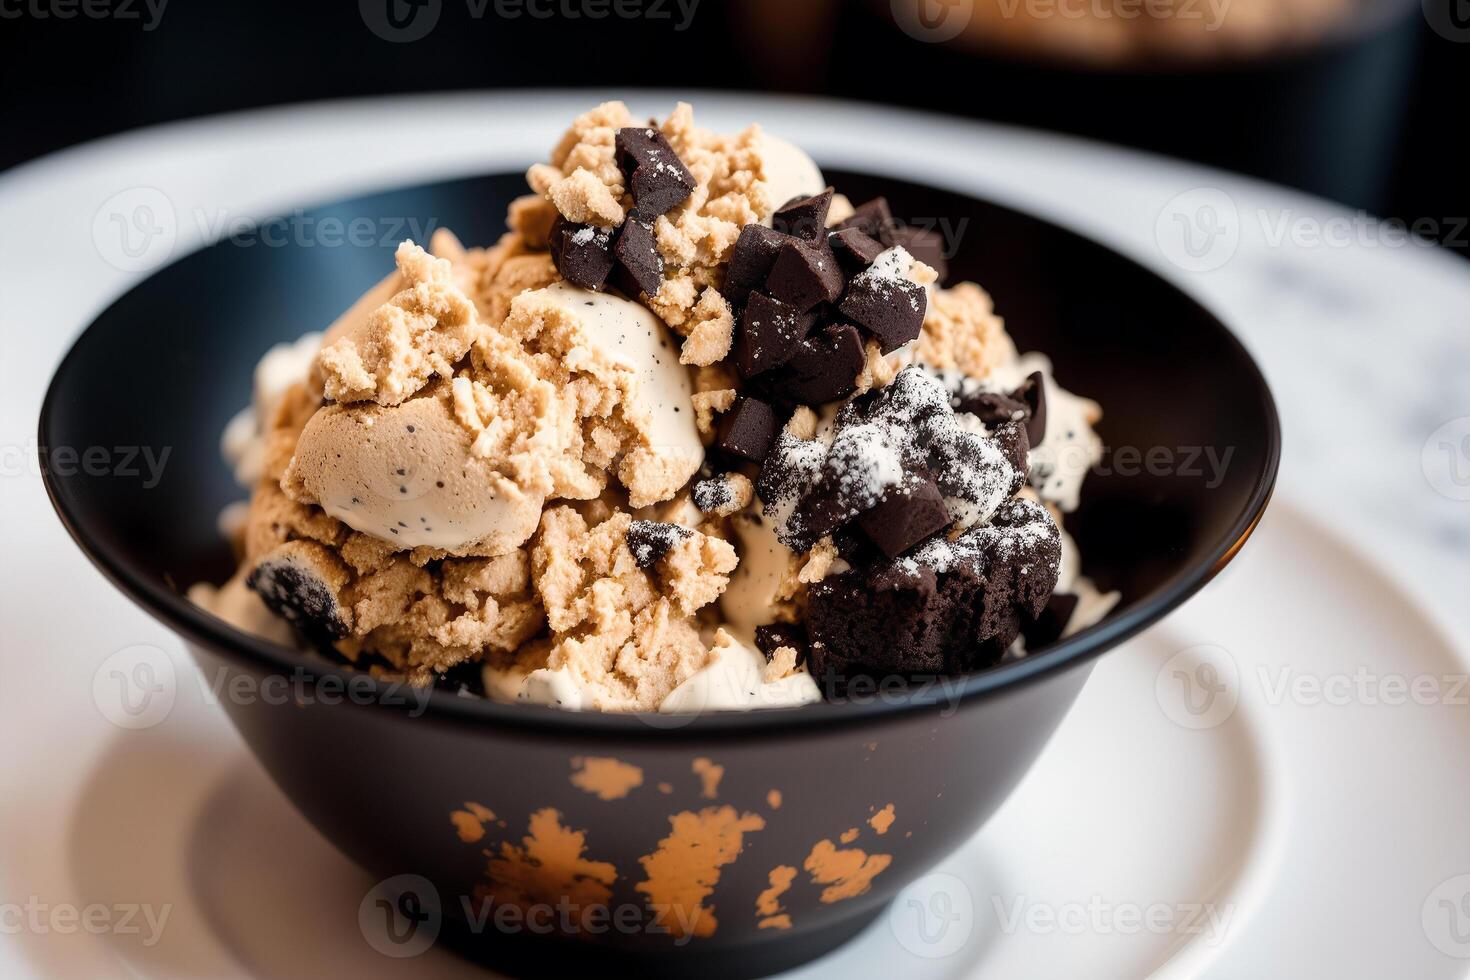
pixel 388 779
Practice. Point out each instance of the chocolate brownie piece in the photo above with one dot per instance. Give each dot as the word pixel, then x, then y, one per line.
pixel 774 636
pixel 854 248
pixel 751 260
pixel 805 275
pixel 640 267
pixel 905 516
pixel 748 429
pixel 1047 628
pixel 873 219
pixel 886 305
pixel 770 332
pixel 582 254
pixel 948 607
pixel 651 540
pixel 825 366
pixel 656 176
pixel 804 217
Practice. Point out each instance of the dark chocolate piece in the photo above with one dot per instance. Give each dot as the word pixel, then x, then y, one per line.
pixel 582 253
pixel 1034 394
pixel 288 583
pixel 925 245
pixel 887 306
pixel 748 429
pixel 651 540
pixel 992 407
pixel 946 607
pixel 770 331
pixel 641 268
pixel 906 515
pixel 657 178
pixel 751 260
pixel 712 494
pixel 826 365
pixel 805 217
pixel 873 219
pixel 1048 628
pixel 774 636
pixel 855 248
pixel 805 275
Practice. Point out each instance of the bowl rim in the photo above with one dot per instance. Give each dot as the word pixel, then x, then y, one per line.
pixel 201 628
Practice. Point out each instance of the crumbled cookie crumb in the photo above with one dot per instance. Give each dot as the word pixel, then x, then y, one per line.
pixel 417 334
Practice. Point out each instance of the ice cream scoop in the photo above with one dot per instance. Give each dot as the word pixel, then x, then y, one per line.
pixel 629 334
pixel 406 474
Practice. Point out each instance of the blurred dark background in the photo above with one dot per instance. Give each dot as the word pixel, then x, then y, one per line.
pixel 1364 102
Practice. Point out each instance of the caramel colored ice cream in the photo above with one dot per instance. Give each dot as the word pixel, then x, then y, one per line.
pixel 653 449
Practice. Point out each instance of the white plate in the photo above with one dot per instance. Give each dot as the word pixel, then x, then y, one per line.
pixel 1262 834
pixel 1333 835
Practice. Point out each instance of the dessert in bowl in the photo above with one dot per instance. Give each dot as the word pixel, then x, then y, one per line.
pixel 699 433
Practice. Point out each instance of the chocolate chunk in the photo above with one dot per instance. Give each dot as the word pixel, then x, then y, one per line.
pixel 873 219
pixel 295 581
pixel 770 330
pixel 826 365
pixel 651 540
pixel 1014 441
pixel 887 306
pixel 774 636
pixel 992 407
pixel 640 267
pixel 1033 392
pixel 946 607
pixel 1048 628
pixel 855 248
pixel 751 260
pixel 925 245
pixel 656 176
pixel 906 515
pixel 748 429
pixel 805 275
pixel 582 254
pixel 805 217
pixel 712 494
pixel 982 470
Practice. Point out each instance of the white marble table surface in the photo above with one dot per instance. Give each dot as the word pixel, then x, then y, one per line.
pixel 1365 339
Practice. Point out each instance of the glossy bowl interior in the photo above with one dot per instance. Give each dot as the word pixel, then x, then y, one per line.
pixel 386 775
